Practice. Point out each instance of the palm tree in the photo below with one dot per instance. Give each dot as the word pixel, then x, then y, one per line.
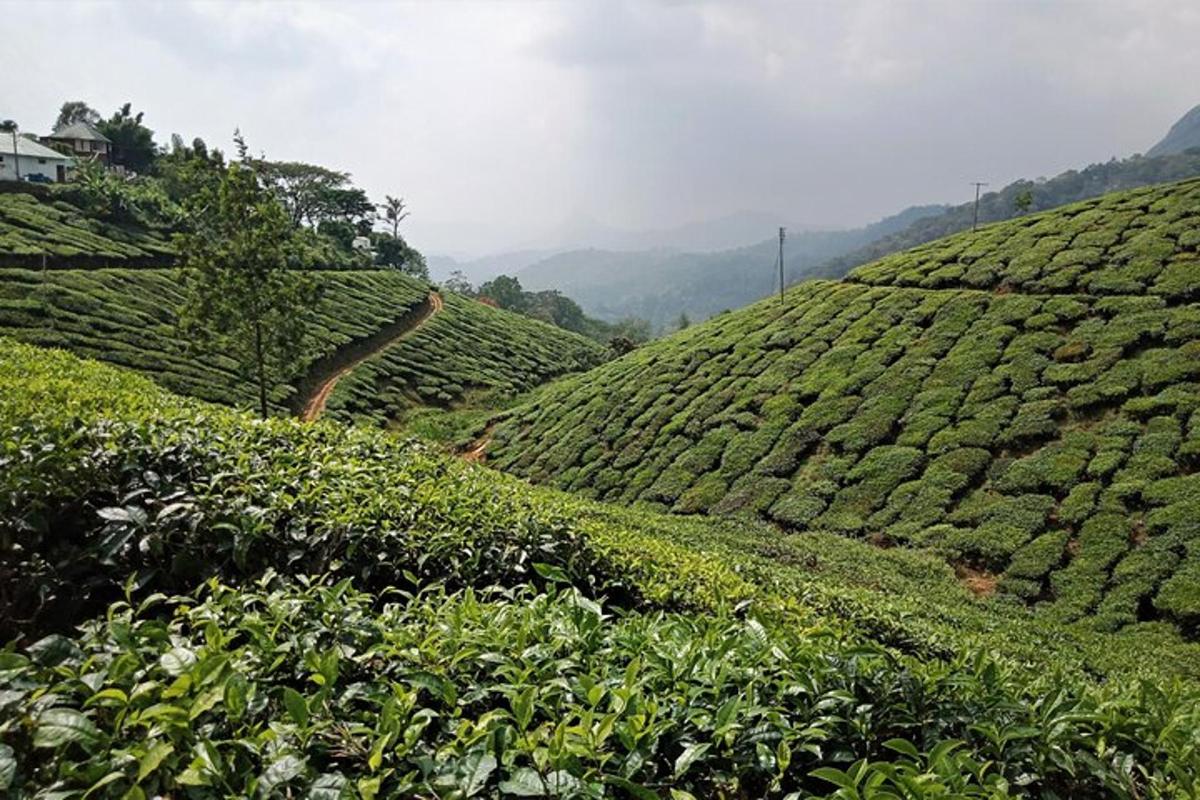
pixel 393 212
pixel 10 126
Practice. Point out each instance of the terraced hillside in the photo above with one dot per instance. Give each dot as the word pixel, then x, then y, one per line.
pixel 278 609
pixel 1025 400
pixel 467 346
pixel 31 228
pixel 127 317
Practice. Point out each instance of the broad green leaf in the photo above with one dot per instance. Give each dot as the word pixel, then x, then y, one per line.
pixel 524 782
pixel 551 573
pixel 903 747
pixel 105 781
pixel 690 755
pixel 53 650
pixel 281 771
pixel 296 706
pixel 154 756
pixel 474 771
pixel 237 691
pixel 59 726
pixel 522 707
pixel 329 786
pixel 177 661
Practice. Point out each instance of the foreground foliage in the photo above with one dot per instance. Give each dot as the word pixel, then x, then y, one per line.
pixel 1025 401
pixel 284 688
pixel 404 671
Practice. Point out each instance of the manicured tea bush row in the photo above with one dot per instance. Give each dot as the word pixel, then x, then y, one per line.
pixel 1008 431
pixel 466 347
pixel 30 227
pixel 128 317
pixel 275 684
pixel 1144 241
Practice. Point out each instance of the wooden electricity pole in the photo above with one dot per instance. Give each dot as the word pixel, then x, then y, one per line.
pixel 782 234
pixel 977 185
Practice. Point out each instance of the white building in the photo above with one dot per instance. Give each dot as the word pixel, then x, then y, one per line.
pixel 30 159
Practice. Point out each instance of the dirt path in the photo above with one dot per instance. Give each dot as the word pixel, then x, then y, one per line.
pixel 314 388
pixel 478 449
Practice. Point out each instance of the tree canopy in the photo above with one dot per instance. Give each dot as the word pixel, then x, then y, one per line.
pixel 243 298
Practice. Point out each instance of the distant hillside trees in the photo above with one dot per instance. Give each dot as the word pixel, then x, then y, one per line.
pixel 242 296
pixel 552 306
pixel 1043 194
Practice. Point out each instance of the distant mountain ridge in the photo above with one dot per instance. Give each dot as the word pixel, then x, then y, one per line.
pixel 1184 135
pixel 659 285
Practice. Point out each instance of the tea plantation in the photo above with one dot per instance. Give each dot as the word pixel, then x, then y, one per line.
pixel 274 609
pixel 128 317
pixel 31 228
pixel 1024 401
pixel 467 346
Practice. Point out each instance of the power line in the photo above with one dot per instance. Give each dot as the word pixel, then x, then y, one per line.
pixel 977 185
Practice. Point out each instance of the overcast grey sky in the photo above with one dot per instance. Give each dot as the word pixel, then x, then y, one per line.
pixel 498 120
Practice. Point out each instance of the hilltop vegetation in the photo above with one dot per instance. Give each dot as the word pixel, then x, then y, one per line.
pixel 1024 401
pixel 469 635
pixel 1071 186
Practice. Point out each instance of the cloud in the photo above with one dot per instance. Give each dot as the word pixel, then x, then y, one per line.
pixel 498 120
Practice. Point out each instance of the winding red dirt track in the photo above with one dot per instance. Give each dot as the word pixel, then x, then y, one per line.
pixel 316 387
pixel 478 449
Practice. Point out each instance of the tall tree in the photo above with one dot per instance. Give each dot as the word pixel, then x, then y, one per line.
pixel 394 213
pixel 10 126
pixel 132 142
pixel 506 291
pixel 242 297
pixel 304 189
pixel 74 111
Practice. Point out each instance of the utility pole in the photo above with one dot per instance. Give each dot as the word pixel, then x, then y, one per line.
pixel 782 234
pixel 977 185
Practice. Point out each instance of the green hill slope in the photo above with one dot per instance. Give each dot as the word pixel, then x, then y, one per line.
pixel 33 228
pixel 467 630
pixel 466 347
pixel 1025 401
pixel 127 317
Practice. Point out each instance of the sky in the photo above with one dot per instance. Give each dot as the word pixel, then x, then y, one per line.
pixel 503 124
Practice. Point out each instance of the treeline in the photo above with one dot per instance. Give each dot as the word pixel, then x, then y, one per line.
pixel 337 225
pixel 552 306
pixel 1026 196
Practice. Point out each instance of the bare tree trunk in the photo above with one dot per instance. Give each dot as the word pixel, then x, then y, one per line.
pixel 262 370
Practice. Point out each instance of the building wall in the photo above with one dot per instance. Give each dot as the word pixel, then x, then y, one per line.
pixel 29 166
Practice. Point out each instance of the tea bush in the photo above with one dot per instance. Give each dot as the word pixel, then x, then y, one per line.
pixel 276 609
pixel 128 317
pixel 833 411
